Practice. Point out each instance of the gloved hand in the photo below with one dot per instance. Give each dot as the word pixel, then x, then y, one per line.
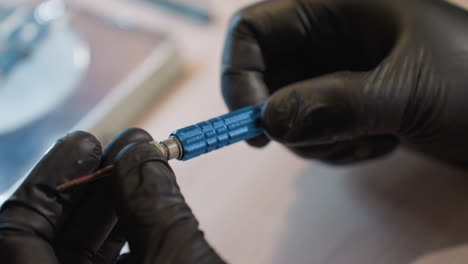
pixel 160 226
pixel 40 225
pixel 347 80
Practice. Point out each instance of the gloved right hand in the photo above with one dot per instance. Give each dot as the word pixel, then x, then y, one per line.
pixel 347 80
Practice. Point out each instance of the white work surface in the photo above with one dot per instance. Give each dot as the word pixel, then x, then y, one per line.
pixel 268 206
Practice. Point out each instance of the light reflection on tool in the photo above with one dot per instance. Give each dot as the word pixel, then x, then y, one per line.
pixel 198 139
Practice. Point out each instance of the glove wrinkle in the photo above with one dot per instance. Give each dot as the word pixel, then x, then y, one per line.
pixel 22 213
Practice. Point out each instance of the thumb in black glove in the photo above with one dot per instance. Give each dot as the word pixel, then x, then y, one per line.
pixel 350 79
pixel 159 225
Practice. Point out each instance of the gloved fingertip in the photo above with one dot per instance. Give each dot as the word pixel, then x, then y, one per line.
pixel 136 153
pixel 122 140
pixel 132 135
pixel 77 151
pixel 132 158
pixel 289 113
pixel 124 259
pixel 259 142
pixel 388 144
pixel 277 115
pixel 83 143
pixel 315 111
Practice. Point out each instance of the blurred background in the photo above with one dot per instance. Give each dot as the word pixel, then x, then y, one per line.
pixel 102 66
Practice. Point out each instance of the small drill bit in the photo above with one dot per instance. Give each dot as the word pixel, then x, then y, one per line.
pixel 87 178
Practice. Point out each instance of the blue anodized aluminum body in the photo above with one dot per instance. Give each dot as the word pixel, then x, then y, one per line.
pixel 241 124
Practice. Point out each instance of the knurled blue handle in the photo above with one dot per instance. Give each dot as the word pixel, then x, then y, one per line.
pixel 219 132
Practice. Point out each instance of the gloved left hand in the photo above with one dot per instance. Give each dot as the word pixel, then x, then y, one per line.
pixel 40 225
pixel 140 202
pixel 161 227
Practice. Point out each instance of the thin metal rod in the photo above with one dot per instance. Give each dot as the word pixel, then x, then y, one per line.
pixel 85 179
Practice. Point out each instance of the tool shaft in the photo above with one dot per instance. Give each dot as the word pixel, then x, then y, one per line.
pixel 219 132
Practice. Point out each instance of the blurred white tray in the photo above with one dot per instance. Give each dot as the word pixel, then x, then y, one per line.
pixel 128 67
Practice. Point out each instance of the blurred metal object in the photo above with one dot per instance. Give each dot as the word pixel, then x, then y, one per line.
pixel 88 73
pixel 197 10
pixel 22 28
pixel 171 148
pixel 42 60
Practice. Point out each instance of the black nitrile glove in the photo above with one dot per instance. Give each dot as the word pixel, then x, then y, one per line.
pixel 346 80
pixel 160 226
pixel 40 225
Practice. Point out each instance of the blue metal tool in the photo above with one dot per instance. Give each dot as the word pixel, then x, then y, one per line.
pixel 204 137
pixel 195 140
